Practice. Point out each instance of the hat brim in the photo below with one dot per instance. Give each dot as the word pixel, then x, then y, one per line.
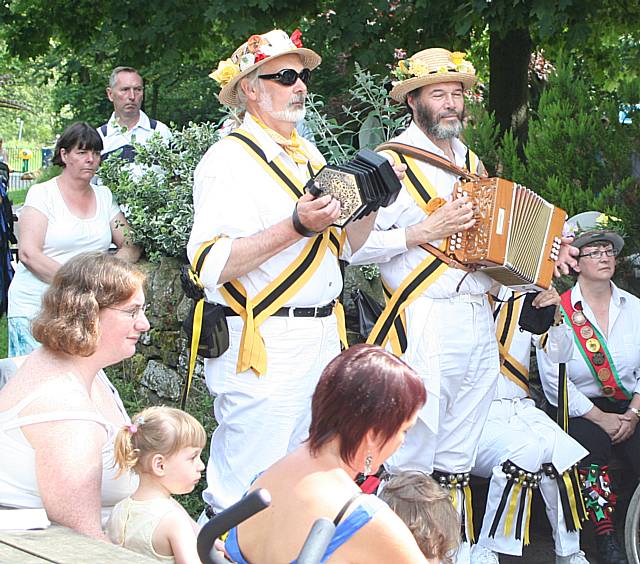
pixel 228 95
pixel 595 236
pixel 399 91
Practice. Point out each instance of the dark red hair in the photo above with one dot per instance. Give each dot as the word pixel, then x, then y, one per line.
pixel 363 389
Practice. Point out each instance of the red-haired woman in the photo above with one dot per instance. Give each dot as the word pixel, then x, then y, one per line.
pixel 364 403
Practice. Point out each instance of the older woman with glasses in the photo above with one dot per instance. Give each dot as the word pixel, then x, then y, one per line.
pixel 603 386
pixel 59 414
pixel 61 218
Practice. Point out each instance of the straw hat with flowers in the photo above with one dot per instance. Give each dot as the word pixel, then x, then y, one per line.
pixel 431 66
pixel 252 54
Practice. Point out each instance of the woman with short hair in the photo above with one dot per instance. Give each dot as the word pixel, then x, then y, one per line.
pixel 61 218
pixel 59 413
pixel 363 405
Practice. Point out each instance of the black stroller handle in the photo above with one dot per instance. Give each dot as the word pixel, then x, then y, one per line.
pixel 248 506
pixel 317 542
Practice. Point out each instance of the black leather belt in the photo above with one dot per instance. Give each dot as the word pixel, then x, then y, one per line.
pixel 322 311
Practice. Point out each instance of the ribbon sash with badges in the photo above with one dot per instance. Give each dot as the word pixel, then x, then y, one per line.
pixel 594 350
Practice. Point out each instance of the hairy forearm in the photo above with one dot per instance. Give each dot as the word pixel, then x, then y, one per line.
pixel 247 253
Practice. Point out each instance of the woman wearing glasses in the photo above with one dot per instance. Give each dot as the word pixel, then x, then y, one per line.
pixel 603 377
pixel 61 218
pixel 59 414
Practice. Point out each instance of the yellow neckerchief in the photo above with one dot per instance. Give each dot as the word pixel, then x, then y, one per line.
pixel 256 310
pixel 391 325
pixel 506 326
pixel 294 146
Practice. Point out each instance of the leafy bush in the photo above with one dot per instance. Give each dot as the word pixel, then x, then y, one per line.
pixel 156 193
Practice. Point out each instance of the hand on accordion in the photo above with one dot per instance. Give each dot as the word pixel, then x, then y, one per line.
pixel 566 257
pixel 451 218
pixel 316 214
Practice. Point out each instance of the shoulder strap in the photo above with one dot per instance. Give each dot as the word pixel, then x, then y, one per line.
pixel 427 157
pixel 153 123
pixel 344 508
pixel 103 129
pixel 55 416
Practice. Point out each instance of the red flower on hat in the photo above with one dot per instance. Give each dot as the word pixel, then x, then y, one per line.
pixel 295 38
pixel 259 57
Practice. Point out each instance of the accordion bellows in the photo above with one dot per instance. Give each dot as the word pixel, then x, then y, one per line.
pixel 516 237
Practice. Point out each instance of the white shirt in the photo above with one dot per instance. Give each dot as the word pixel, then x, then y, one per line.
pixel 118 136
pixel 559 347
pixel 387 243
pixel 66 237
pixel 234 197
pixel 623 343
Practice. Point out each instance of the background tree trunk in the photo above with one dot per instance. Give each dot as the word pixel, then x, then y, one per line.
pixel 509 55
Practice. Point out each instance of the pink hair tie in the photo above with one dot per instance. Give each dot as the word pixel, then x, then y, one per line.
pixel 132 428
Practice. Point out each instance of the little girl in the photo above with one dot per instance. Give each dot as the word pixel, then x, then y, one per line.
pixel 163 447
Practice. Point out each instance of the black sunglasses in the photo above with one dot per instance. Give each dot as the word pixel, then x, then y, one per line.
pixel 288 77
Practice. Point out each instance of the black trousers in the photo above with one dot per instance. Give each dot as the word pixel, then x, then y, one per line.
pixel 598 443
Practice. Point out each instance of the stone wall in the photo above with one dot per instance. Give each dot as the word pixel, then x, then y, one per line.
pixel 157 370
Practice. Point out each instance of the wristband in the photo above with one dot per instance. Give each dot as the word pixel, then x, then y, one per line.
pixel 635 411
pixel 297 224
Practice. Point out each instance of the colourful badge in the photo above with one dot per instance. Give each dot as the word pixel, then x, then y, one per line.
pixel 593 345
pixel 578 318
pixel 598 359
pixel 608 391
pixel 604 374
pixel 586 332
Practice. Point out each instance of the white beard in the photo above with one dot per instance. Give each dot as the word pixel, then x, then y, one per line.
pixel 289 114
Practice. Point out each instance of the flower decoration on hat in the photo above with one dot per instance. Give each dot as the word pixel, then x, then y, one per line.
pixel 412 67
pixel 603 222
pixel 256 49
pixel 226 70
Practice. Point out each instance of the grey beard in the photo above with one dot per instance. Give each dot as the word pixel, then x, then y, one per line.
pixel 290 115
pixel 440 131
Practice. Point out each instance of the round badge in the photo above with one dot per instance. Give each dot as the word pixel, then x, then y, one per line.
pixel 586 332
pixel 593 345
pixel 608 391
pixel 598 359
pixel 604 374
pixel 578 318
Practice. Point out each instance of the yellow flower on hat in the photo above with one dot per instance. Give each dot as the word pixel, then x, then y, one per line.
pixel 457 57
pixel 603 220
pixel 417 68
pixel 225 72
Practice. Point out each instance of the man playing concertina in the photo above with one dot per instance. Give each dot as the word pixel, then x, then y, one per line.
pixel 272 262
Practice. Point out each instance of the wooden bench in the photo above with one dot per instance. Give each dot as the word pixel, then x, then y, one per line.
pixel 62 545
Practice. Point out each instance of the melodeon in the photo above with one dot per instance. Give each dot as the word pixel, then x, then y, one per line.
pixel 516 237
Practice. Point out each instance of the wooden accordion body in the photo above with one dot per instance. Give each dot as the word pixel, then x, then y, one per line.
pixel 516 237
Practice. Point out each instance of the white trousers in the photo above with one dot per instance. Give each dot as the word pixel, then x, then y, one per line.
pixel 517 431
pixel 261 418
pixel 452 346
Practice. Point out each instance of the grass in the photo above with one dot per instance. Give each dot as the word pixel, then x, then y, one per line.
pixel 17 196
pixel 3 337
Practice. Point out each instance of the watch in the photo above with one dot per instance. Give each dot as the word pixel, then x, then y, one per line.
pixel 636 411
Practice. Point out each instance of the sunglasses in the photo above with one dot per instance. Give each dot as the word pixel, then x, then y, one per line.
pixel 288 77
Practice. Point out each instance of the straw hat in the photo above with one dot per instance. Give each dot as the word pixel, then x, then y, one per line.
pixel 256 51
pixel 431 66
pixel 591 227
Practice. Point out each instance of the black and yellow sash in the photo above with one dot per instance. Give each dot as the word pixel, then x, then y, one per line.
pixel 506 326
pixel 254 311
pixel 391 325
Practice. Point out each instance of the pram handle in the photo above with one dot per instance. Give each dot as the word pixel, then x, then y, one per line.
pixel 317 541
